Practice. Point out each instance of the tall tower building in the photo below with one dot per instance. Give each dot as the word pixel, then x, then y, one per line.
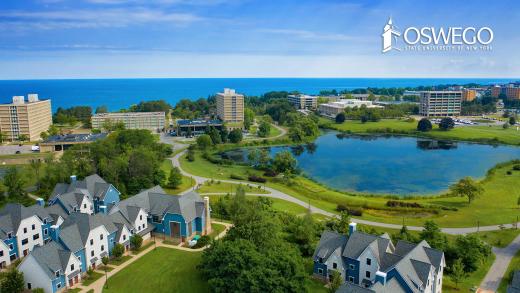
pixel 28 118
pixel 440 103
pixel 230 106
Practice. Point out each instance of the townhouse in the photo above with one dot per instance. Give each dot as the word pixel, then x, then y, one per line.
pixel 371 263
pixel 83 222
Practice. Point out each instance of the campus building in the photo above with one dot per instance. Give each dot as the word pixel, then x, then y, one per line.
pixel 303 102
pixel 373 264
pixel 83 222
pixel 440 103
pixel 153 121
pixel 188 127
pixel 511 91
pixel 61 142
pixel 230 106
pixel 334 108
pixel 468 95
pixel 28 118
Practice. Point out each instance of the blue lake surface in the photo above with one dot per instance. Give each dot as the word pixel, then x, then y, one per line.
pixel 121 93
pixel 393 165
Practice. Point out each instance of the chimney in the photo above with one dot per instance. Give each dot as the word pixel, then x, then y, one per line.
pixel 351 228
pixel 40 202
pixel 381 278
pixel 55 232
pixel 73 178
pixel 103 210
pixel 207 223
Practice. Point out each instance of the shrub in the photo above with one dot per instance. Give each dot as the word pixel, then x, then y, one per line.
pixel 395 203
pixel 351 211
pixel 136 241
pixel 516 167
pixel 424 125
pixel 341 208
pixel 203 241
pixel 236 177
pixel 509 173
pixel 447 123
pixel 255 178
pixel 118 250
pixel 270 173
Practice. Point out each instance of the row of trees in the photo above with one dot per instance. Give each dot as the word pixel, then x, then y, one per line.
pixel 73 115
pixel 214 136
pixel 425 125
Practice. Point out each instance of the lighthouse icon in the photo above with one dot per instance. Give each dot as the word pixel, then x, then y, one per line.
pixel 389 35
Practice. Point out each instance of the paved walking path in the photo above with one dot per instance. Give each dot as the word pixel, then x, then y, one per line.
pixel 97 286
pixel 497 271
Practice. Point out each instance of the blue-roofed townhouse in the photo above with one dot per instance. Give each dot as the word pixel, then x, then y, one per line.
pixel 86 196
pixel 89 237
pixel 21 229
pixel 372 262
pixel 177 217
pixel 51 267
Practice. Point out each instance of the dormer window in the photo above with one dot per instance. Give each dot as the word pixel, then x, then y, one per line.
pixel 57 273
pixel 369 261
pixel 334 265
pixel 10 235
pixel 320 260
pixel 44 221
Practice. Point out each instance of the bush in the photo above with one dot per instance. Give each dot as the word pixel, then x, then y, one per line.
pixel 509 173
pixel 203 241
pixel 341 208
pixel 136 241
pixel 446 124
pixel 395 203
pixel 516 167
pixel 255 178
pixel 118 250
pixel 340 118
pixel 270 173
pixel 350 211
pixel 236 177
pixel 424 125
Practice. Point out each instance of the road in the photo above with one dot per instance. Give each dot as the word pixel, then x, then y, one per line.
pixel 278 194
pixel 498 269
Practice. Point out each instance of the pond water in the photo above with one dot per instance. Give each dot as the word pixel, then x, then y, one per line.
pixel 391 164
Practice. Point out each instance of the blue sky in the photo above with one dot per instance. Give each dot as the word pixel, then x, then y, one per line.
pixel 235 38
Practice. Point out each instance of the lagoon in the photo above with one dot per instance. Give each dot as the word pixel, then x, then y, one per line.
pixel 392 165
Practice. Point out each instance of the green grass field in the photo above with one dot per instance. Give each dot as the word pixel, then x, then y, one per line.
pixel 224 187
pixel 500 238
pixel 216 229
pixel 497 205
pixel 490 133
pixel 160 270
pixel 471 281
pixel 278 204
pixel 187 182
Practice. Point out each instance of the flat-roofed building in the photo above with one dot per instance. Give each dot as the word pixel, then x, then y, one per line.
pixel 230 106
pixel 153 121
pixel 28 118
pixel 511 91
pixel 303 102
pixel 195 127
pixel 334 108
pixel 440 103
pixel 58 143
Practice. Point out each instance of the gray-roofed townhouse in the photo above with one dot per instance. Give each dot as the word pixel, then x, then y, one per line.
pixel 373 262
pixel 51 267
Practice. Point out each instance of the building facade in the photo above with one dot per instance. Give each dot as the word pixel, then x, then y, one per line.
pixel 25 118
pixel 440 103
pixel 230 106
pixel 511 91
pixel 153 121
pixel 468 95
pixel 303 102
pixel 334 108
pixel 371 263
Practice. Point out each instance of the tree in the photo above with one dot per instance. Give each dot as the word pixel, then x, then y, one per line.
pixel 44 135
pixel 404 234
pixel 296 134
pixel 175 178
pixel 23 137
pixel 340 118
pixel 446 124
pixel 335 281
pixel 249 117
pixel 467 187
pixel 12 281
pixel 424 125
pixel 340 225
pixel 14 182
pixel 3 136
pixel 36 166
pixel 214 134
pixel 264 129
pixel 457 272
pixel 53 130
pixel 224 134
pixel 364 119
pixel 118 250
pixel 136 241
pixel 512 120
pixel 101 109
pixel 204 141
pixel 433 235
pixel 235 136
pixel 284 162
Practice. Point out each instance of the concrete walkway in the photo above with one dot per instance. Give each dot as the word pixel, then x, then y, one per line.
pixel 497 271
pixel 97 286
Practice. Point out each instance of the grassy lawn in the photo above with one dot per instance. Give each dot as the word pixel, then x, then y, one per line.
pixel 313 286
pixel 187 182
pixel 278 204
pixel 514 265
pixel 94 276
pixel 467 133
pixel 117 262
pixel 102 268
pixel 224 187
pixel 143 248
pixel 216 229
pixel 500 238
pixel 161 270
pixel 497 205
pixel 471 281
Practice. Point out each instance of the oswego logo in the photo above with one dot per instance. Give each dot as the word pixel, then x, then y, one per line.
pixel 436 39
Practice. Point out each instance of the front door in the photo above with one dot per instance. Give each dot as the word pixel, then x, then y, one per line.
pixel 175 229
pixel 71 282
pixel 26 252
pixel 76 279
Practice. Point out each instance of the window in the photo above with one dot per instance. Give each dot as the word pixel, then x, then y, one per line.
pixel 101 237
pixel 321 260
pixel 10 235
pixel 84 205
pixel 36 236
pixel 29 286
pixel 320 271
pixel 369 261
pixel 141 217
pixel 79 258
pixel 11 247
pixel 92 253
pixel 25 230
pixel 351 279
pixel 367 274
pixel 352 267
pixel 72 267
pixel 155 219
pixel 25 241
pixel 45 232
pixel 1 253
pixel 102 247
pixel 58 285
pixel 44 221
pixel 334 265
pixel 91 241
pixel 33 227
pixel 124 237
pixel 57 273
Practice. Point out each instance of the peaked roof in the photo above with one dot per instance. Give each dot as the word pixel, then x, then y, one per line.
pixel 329 242
pixel 52 257
pixel 359 242
pixel 13 213
pixel 75 229
pixel 348 287
pixel 94 184
pixel 156 202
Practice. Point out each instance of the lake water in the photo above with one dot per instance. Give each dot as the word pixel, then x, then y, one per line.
pixel 393 165
pixel 121 93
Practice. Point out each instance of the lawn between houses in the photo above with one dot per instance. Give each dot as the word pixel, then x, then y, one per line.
pixel 497 205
